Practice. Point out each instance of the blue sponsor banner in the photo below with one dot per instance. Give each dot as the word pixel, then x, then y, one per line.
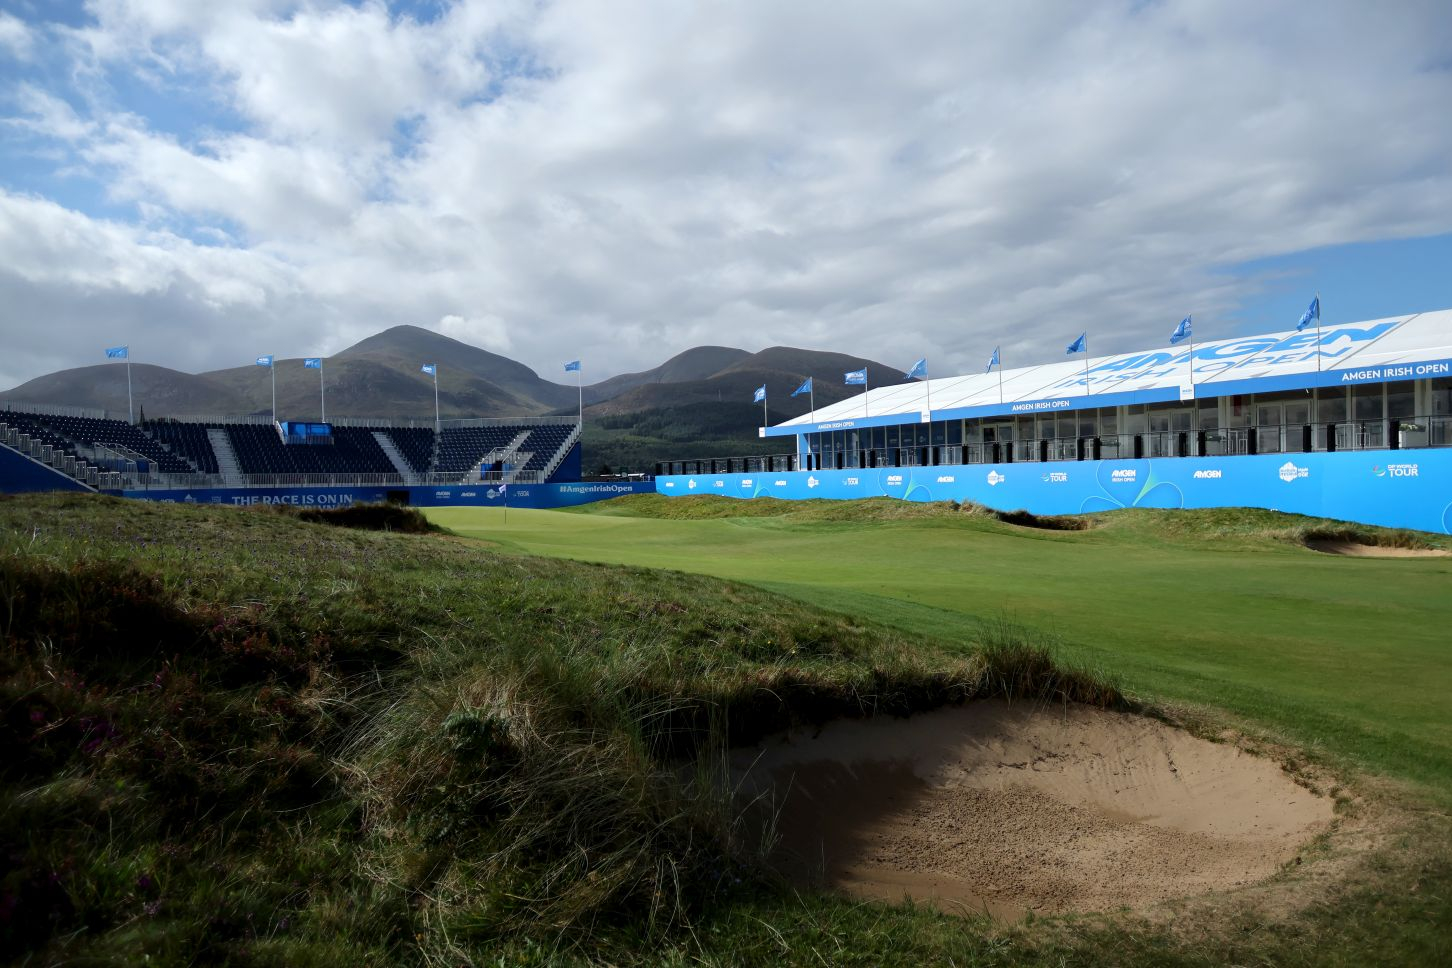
pixel 1393 488
pixel 533 496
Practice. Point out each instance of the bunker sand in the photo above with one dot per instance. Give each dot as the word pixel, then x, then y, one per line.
pixel 1356 550
pixel 1009 809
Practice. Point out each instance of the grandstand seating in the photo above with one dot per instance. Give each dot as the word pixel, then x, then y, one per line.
pixel 260 450
pixel 174 448
pixel 542 444
pixel 416 444
pixel 462 448
pixel 188 439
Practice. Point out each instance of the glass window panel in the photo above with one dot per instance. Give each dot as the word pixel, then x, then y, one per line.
pixel 1331 405
pixel 1401 400
pixel 1367 402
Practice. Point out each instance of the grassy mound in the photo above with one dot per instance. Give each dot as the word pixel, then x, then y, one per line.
pixel 228 737
pixel 1244 526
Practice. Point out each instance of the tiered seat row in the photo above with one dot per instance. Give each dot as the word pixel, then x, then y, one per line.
pixel 354 450
pixel 462 448
pixel 98 432
pixel 187 439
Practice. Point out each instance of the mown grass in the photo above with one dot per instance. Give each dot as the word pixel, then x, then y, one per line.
pixel 1228 609
pixel 240 737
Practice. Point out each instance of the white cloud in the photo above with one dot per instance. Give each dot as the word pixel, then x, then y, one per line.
pixel 15 37
pixel 630 179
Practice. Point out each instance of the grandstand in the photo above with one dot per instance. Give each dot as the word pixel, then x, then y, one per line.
pixel 105 451
pixel 1353 421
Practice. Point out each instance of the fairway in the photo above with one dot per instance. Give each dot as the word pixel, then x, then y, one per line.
pixel 1348 656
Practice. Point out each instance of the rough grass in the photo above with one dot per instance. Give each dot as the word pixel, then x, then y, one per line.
pixel 233 737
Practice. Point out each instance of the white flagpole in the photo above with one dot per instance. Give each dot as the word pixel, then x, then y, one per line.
pixel 1318 332
pixel 1192 360
pixel 436 398
pixel 1087 390
pixel 580 386
pixel 130 411
pixel 812 399
pixel 1000 381
pixel 272 365
pixel 322 393
pixel 763 410
pixel 864 392
pixel 928 388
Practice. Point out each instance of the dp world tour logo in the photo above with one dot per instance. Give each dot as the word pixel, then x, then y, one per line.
pixel 1395 470
pixel 1290 472
pixel 995 478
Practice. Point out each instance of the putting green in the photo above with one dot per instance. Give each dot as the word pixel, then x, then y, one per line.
pixel 1350 654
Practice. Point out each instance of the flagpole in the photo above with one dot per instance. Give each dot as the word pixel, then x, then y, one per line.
pixel 1000 382
pixel 1087 390
pixel 322 393
pixel 130 411
pixel 580 386
pixel 1192 362
pixel 864 393
pixel 1318 331
pixel 763 410
pixel 436 398
pixel 928 389
pixel 272 366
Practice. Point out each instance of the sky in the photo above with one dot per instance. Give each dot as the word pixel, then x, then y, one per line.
pixel 618 181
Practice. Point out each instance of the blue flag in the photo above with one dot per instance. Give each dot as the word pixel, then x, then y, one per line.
pixel 1079 345
pixel 1182 331
pixel 313 362
pixel 760 394
pixel 118 353
pixel 806 387
pixel 857 377
pixel 993 361
pixel 572 366
pixel 1313 311
pixel 432 369
pixel 264 361
pixel 919 369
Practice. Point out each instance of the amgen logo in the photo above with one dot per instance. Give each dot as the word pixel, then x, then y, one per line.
pixel 1212 474
pixel 1395 470
pixel 1124 476
pixel 1290 472
pixel 894 478
pixel 995 478
pixel 946 479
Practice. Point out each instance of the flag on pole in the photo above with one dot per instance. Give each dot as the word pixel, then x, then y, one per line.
pixel 572 366
pixel 992 361
pixel 313 363
pixel 118 353
pixel 1182 331
pixel 431 369
pixel 806 387
pixel 856 377
pixel 1080 344
pixel 264 361
pixel 919 369
pixel 1313 311
pixel 760 394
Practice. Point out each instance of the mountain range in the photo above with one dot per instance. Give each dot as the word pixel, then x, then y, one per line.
pixel 380 377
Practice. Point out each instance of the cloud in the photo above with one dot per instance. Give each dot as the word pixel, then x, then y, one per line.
pixel 631 179
pixel 15 37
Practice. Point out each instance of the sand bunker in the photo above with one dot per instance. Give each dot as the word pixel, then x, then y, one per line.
pixel 1372 551
pixel 1007 809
